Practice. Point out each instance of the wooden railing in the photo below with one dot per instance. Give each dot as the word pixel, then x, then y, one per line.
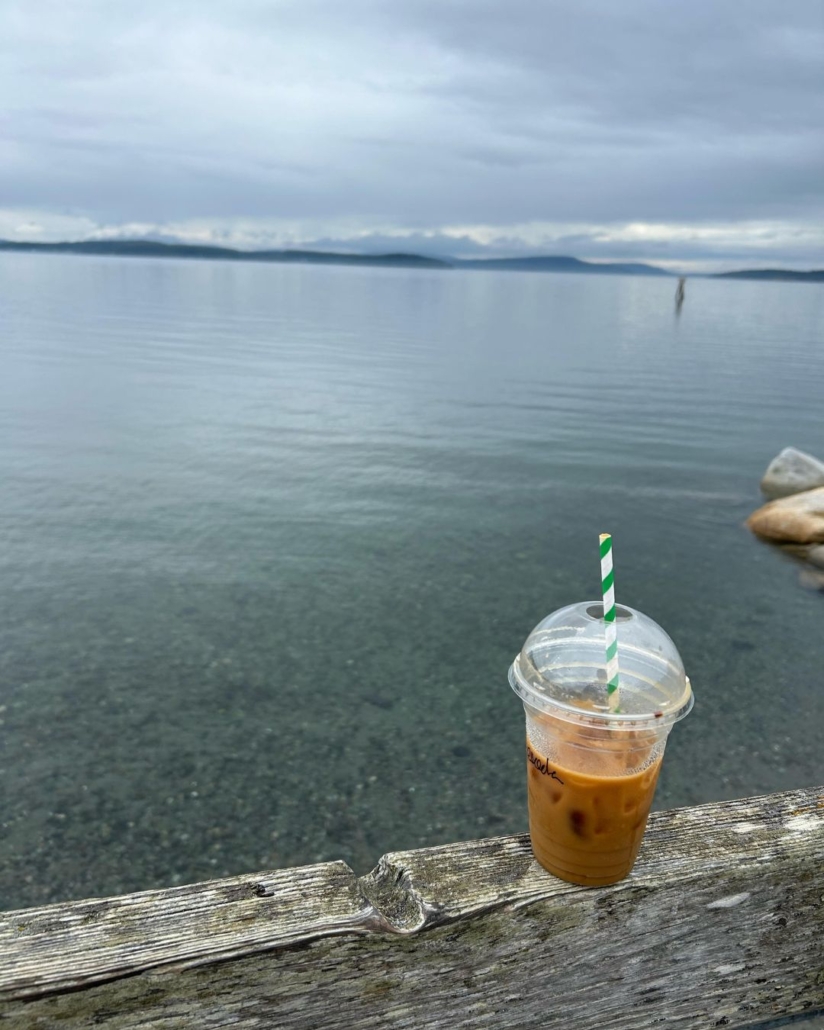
pixel 720 924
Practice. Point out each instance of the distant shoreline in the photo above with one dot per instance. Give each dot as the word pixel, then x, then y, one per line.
pixel 546 263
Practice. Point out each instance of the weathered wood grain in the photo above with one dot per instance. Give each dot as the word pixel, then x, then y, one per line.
pixel 720 924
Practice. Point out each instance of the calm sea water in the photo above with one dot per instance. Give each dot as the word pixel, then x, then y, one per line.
pixel 272 535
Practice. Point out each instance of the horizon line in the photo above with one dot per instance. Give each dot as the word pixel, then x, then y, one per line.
pixel 392 257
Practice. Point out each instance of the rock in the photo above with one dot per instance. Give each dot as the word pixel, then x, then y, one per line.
pixel 812 579
pixel 815 556
pixel 798 519
pixel 791 472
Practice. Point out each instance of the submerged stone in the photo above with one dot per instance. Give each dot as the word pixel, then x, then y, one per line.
pixel 815 556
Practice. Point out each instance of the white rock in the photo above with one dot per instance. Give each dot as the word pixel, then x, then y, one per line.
pixel 791 472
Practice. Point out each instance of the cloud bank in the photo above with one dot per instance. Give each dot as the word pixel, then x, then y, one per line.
pixel 679 133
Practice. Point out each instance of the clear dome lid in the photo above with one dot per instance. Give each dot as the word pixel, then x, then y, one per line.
pixel 561 669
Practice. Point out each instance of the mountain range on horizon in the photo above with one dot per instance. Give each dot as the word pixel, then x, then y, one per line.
pixel 538 263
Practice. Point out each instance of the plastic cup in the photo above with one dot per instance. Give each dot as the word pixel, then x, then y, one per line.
pixel 592 772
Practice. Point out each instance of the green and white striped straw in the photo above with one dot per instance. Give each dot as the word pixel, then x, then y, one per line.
pixel 611 633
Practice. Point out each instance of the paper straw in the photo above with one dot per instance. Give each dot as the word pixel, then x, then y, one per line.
pixel 611 634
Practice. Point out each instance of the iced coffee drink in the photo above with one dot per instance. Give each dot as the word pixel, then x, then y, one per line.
pixel 592 770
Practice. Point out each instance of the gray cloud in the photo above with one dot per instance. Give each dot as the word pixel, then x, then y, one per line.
pixel 463 120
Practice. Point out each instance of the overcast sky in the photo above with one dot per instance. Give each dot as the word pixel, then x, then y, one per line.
pixel 680 131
